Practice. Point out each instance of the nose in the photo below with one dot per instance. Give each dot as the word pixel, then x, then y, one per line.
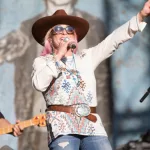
pixel 64 32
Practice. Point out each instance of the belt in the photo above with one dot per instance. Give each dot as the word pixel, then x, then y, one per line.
pixel 81 110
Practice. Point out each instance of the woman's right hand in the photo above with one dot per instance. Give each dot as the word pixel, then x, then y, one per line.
pixel 62 49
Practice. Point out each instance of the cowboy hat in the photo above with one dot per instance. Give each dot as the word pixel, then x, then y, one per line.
pixel 41 26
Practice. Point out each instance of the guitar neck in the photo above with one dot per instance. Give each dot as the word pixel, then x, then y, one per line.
pixel 23 124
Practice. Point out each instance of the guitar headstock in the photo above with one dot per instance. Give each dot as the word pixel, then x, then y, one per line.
pixel 39 120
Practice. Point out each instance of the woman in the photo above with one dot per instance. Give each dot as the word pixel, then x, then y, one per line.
pixel 65 76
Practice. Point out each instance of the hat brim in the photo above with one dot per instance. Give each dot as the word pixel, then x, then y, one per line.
pixel 41 26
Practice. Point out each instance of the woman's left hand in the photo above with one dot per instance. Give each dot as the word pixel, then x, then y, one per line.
pixel 145 12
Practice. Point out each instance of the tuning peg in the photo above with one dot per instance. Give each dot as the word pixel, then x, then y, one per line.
pixel 36 117
pixel 43 117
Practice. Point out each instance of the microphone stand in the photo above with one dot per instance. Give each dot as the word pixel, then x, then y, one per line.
pixel 145 95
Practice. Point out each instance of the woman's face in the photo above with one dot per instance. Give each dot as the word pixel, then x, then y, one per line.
pixel 60 32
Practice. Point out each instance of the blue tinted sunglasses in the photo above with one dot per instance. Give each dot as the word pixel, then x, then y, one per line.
pixel 60 29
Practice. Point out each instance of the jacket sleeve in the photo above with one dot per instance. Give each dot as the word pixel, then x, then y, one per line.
pixel 45 68
pixel 1 115
pixel 108 46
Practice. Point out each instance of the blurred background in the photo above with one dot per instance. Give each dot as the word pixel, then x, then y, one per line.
pixel 121 80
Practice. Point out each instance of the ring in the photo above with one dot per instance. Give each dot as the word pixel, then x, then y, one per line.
pixel 66 39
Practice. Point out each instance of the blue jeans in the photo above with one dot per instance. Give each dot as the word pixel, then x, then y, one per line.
pixel 79 142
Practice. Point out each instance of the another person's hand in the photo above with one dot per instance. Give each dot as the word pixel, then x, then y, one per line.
pixel 145 12
pixel 17 129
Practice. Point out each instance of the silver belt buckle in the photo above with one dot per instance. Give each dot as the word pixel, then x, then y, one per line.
pixel 82 110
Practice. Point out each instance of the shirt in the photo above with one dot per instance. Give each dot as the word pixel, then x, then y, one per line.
pixel 72 81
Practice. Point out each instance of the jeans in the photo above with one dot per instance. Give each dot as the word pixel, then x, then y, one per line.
pixel 79 142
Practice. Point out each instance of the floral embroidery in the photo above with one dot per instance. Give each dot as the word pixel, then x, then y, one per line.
pixel 82 54
pixel 90 129
pixel 66 86
pixel 68 123
pixel 76 96
pixel 89 97
pixel 82 85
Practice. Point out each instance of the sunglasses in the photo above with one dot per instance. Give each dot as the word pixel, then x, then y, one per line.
pixel 60 29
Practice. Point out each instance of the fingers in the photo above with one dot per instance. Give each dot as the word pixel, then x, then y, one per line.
pixel 148 2
pixel 145 12
pixel 63 47
pixel 62 50
pixel 17 129
pixel 18 121
pixel 64 43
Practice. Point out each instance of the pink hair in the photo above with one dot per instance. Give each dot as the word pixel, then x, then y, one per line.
pixel 47 48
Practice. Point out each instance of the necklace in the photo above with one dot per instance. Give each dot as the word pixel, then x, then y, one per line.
pixel 70 67
pixel 70 63
pixel 80 83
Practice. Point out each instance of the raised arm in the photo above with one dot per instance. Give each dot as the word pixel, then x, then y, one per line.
pixel 122 34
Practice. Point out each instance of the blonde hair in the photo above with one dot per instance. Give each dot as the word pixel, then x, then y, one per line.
pixel 47 45
pixel 48 35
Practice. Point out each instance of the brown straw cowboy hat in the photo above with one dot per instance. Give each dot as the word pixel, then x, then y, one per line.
pixel 41 26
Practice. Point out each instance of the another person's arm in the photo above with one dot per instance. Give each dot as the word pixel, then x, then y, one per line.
pixel 17 130
pixel 3 121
